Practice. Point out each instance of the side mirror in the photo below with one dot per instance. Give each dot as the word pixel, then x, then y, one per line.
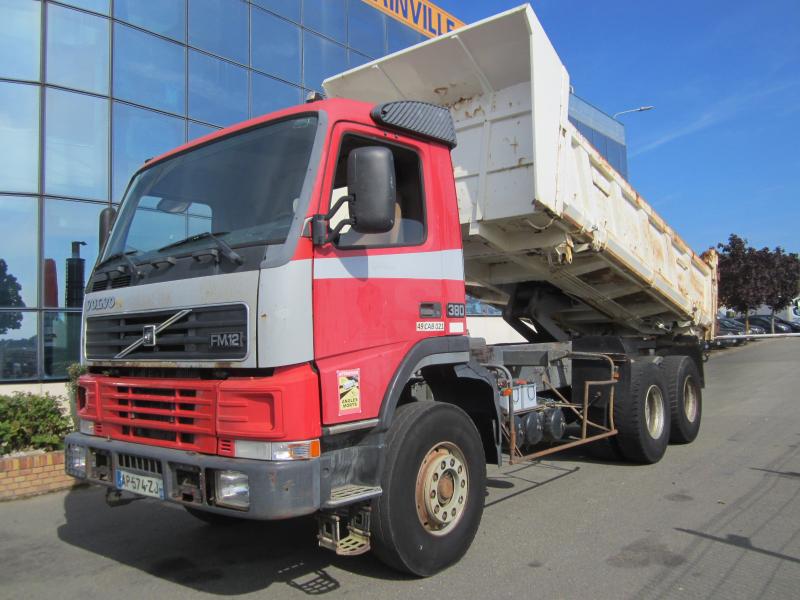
pixel 107 217
pixel 372 186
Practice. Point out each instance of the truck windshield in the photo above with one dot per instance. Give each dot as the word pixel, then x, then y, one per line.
pixel 244 189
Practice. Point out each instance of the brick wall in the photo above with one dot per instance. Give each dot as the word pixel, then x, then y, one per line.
pixel 33 474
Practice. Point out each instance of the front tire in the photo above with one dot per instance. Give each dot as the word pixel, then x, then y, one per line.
pixel 643 418
pixel 433 489
pixel 685 398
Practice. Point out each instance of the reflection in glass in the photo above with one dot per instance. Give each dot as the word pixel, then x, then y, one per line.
pixel 18 342
pixel 100 6
pixel 149 70
pixel 275 46
pixel 19 137
pixel 67 223
pixel 197 130
pixel 354 59
pixel 20 23
pixel 76 145
pixel 270 94
pixel 61 332
pixel 139 134
pixel 366 29
pixel 400 37
pixel 220 27
pixel 77 50
pixel 217 90
pixel 328 17
pixel 166 17
pixel 285 8
pixel 18 229
pixel 321 58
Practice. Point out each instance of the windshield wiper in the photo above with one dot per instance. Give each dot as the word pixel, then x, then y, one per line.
pixel 225 249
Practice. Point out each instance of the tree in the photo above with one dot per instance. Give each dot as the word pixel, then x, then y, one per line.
pixel 784 269
pixel 743 275
pixel 9 297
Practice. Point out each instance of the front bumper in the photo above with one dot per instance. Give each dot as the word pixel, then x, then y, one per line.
pixel 278 489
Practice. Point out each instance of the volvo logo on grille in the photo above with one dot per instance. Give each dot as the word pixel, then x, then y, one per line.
pixel 149 335
pixel 150 332
pixel 224 341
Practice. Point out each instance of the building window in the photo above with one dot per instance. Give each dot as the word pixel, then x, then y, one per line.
pixel 275 46
pixel 400 37
pixel 321 58
pixel 165 17
pixel 149 70
pixel 18 341
pixel 285 8
pixel 366 29
pixel 270 94
pixel 98 6
pixel 19 137
pixel 217 90
pixel 18 254
pixel 77 49
pixel 219 27
pixel 328 17
pixel 76 145
pixel 197 130
pixel 140 134
pixel 20 23
pixel 61 333
pixel 70 250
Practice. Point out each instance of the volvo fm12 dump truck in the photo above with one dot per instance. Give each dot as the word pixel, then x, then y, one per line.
pixel 276 325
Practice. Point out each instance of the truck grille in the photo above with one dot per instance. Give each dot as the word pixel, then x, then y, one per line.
pixel 206 333
pixel 173 416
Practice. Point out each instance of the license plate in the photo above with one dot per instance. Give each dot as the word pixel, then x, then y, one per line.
pixel 140 484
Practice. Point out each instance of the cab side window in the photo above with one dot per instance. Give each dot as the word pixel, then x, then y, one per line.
pixel 409 222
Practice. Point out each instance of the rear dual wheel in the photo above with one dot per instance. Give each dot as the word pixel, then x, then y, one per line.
pixel 643 418
pixel 685 396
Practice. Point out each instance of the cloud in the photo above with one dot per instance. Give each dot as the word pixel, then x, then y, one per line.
pixel 722 110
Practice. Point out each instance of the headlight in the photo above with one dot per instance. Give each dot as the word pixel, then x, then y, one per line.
pixel 75 460
pixel 86 427
pixel 233 489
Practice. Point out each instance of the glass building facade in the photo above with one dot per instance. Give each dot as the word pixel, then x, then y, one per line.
pixel 89 89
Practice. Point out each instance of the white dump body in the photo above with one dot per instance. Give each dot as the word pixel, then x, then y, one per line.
pixel 537 202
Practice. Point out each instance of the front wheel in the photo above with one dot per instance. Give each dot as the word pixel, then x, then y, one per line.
pixel 433 489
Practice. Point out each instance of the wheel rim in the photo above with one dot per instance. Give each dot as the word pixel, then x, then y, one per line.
pixel 442 488
pixel 654 411
pixel 690 399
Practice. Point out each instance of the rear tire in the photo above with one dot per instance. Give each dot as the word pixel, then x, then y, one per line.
pixel 643 418
pixel 685 398
pixel 433 485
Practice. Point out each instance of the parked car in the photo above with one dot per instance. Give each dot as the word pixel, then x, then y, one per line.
pixel 724 328
pixel 765 322
pixel 733 324
pixel 794 325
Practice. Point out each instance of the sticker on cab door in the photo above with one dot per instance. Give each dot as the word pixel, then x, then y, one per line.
pixel 430 325
pixel 349 383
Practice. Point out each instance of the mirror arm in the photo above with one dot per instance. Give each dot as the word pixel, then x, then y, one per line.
pixel 320 234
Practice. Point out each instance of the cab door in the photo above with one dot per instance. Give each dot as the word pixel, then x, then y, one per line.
pixel 376 295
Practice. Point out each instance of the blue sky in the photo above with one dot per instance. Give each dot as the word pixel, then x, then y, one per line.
pixel 720 153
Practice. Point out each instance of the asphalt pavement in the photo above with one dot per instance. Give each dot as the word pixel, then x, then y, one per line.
pixel 719 518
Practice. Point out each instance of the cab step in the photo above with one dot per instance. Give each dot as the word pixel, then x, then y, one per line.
pixel 332 526
pixel 350 494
